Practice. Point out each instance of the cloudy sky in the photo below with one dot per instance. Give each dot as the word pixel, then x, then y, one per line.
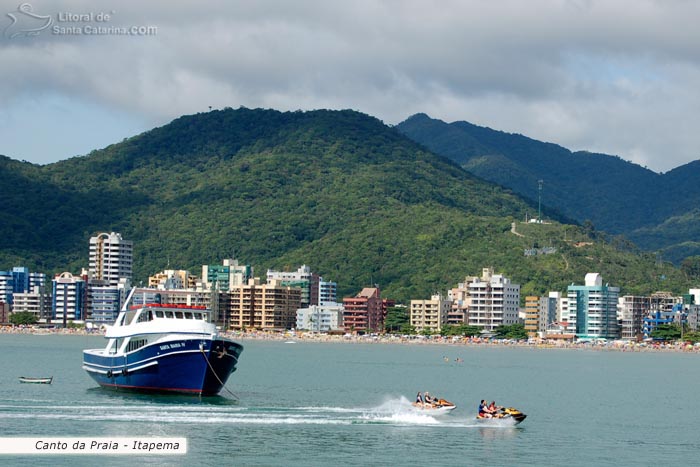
pixel 619 77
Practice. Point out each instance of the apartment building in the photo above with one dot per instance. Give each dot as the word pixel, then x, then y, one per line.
pixel 593 309
pixel 494 301
pixel 270 306
pixel 111 258
pixel 365 311
pixel 430 315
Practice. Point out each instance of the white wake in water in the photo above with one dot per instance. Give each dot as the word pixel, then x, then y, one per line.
pixel 393 411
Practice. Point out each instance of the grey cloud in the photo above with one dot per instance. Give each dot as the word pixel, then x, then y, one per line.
pixel 586 74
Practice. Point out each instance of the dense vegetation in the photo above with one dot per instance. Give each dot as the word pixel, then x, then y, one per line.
pixel 337 190
pixel 656 211
pixel 23 318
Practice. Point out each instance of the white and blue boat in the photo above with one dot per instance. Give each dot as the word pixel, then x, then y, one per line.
pixel 163 348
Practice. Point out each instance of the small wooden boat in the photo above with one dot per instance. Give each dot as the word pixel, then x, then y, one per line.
pixel 28 379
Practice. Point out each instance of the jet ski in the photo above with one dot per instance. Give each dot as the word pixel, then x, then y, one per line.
pixel 440 406
pixel 505 416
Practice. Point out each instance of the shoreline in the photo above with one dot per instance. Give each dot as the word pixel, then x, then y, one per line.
pixel 290 337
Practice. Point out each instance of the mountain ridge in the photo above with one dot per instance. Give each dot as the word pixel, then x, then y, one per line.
pixel 337 190
pixel 616 195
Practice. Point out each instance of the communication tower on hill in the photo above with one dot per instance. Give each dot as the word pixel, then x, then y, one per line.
pixel 539 197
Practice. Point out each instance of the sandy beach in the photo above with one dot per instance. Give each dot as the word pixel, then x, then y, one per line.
pixel 293 337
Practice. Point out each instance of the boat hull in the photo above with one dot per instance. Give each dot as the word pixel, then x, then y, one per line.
pixel 27 379
pixel 511 418
pixel 435 410
pixel 498 422
pixel 185 365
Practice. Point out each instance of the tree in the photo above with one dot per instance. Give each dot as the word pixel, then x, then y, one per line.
pixel 396 317
pixel 589 229
pixel 666 332
pixel 691 267
pixel 692 336
pixel 23 317
pixel 407 329
pixel 511 331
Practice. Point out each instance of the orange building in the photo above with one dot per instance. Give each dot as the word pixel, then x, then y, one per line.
pixel 268 306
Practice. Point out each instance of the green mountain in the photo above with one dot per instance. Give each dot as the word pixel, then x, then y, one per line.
pixel 337 190
pixel 617 196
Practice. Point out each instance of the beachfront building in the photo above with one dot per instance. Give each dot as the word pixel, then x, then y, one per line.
pixel 104 301
pixel 593 309
pixel 37 302
pixel 270 306
pixel 6 287
pixel 309 282
pixel 173 279
pixel 321 318
pixel 365 311
pixel 4 312
pixel 664 308
pixel 494 301
pixel 691 304
pixel 111 258
pixel 430 315
pixel 19 280
pixel 631 310
pixel 560 304
pixel 539 312
pixel 68 298
pixel 327 292
pixel 225 276
pixel 187 297
pixel 459 297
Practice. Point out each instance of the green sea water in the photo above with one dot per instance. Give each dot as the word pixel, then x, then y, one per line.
pixel 321 404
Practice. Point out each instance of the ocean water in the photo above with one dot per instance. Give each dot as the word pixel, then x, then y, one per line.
pixel 321 404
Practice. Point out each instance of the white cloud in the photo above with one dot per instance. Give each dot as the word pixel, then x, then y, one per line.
pixel 614 77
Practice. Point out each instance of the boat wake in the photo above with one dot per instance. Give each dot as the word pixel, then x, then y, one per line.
pixel 394 412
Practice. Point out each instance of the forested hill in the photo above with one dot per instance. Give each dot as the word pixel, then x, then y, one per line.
pixel 337 190
pixel 657 211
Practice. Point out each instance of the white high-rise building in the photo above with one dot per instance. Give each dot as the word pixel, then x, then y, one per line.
pixel 68 297
pixel 321 318
pixel 494 301
pixel 111 258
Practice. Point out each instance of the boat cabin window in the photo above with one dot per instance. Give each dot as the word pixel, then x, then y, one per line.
pixel 197 316
pixel 113 345
pixel 188 315
pixel 135 344
pixel 159 313
pixel 178 315
pixel 146 315
pixel 169 314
